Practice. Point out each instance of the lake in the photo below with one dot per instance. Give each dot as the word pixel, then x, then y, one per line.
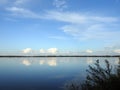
pixel 45 73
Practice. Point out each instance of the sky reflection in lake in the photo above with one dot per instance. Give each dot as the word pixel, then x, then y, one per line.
pixel 44 73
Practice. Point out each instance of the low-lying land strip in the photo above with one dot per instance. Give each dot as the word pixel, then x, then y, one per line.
pixel 60 56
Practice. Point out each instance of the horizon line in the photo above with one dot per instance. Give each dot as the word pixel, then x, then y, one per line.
pixel 59 55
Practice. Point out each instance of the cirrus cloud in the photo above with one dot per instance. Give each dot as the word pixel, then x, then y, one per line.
pixel 84 26
pixel 79 25
pixel 20 2
pixel 22 12
pixel 60 4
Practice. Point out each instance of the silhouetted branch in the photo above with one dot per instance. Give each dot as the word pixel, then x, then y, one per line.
pixel 99 78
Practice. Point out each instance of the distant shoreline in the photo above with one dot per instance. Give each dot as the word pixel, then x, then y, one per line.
pixel 61 56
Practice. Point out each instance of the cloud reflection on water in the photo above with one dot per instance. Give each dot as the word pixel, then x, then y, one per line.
pixel 51 62
pixel 89 61
pixel 26 62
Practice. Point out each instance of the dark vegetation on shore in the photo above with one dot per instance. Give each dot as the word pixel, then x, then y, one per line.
pixel 59 55
pixel 99 78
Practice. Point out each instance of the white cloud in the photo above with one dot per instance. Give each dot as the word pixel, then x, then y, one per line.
pixel 42 51
pixel 104 19
pixel 22 12
pixel 60 4
pixel 52 50
pixel 58 37
pixel 117 50
pixel 89 51
pixel 17 8
pixel 26 62
pixel 20 2
pixel 67 17
pixel 81 26
pixel 27 50
pixel 87 26
pixel 78 18
pixel 14 3
pixel 72 30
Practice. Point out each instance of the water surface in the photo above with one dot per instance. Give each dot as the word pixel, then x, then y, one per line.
pixel 45 73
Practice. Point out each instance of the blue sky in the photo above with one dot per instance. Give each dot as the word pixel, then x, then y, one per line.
pixel 54 25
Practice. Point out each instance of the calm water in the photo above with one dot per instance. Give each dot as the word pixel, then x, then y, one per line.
pixel 44 73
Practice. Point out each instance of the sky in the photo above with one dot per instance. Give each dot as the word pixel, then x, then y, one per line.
pixel 52 26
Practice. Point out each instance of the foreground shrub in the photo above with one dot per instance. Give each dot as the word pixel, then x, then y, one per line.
pixel 99 78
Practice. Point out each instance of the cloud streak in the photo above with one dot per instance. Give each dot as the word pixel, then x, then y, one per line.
pixel 81 26
pixel 78 18
pixel 20 2
pixel 60 4
pixel 12 3
pixel 58 37
pixel 87 26
pixel 22 12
